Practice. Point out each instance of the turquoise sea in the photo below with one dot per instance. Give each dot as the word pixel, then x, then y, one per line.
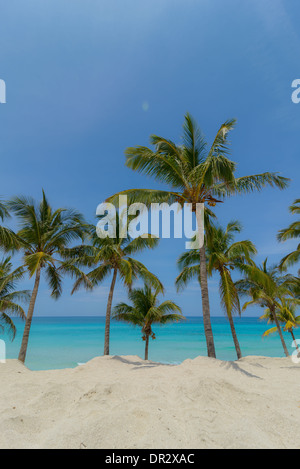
pixel 66 341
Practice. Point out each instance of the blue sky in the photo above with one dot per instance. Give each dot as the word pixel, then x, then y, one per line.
pixel 85 79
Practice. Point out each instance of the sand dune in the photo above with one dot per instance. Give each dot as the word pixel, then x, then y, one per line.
pixel 123 402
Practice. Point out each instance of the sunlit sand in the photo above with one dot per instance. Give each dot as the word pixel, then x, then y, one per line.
pixel 124 402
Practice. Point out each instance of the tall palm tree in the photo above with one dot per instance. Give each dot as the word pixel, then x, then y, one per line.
pixel 223 255
pixel 286 313
pixel 9 297
pixel 113 257
pixel 266 287
pixel 195 174
pixel 292 232
pixel 145 311
pixel 44 234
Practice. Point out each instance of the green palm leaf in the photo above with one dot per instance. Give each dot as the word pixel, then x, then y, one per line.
pixel 10 298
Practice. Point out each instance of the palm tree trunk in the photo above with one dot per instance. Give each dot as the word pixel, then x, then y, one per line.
pixel 234 336
pixel 211 352
pixel 25 339
pixel 146 347
pixel 108 313
pixel 280 331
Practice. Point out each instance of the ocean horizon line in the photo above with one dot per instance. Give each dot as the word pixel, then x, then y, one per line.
pixel 63 341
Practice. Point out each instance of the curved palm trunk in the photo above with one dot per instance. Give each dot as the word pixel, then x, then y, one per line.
pixel 25 339
pixel 108 313
pixel 234 336
pixel 146 347
pixel 211 352
pixel 280 332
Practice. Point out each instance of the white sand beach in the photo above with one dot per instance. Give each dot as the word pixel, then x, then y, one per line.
pixel 123 402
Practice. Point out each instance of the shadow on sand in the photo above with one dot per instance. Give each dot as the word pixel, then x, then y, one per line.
pixel 234 366
pixel 139 364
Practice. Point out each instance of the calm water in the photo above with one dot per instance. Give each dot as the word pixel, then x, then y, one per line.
pixel 65 342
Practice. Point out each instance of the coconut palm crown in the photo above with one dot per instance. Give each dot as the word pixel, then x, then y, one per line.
pixel 145 311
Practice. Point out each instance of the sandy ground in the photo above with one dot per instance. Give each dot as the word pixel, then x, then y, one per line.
pixel 123 402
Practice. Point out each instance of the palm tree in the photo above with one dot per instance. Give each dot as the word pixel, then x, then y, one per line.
pixel 9 297
pixel 292 232
pixel 43 236
pixel 266 288
pixel 113 257
pixel 223 256
pixel 146 311
pixel 286 313
pixel 194 174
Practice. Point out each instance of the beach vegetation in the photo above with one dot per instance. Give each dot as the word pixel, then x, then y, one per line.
pixel 287 316
pixel 10 298
pixel 42 237
pixel 194 173
pixel 145 310
pixel 114 258
pixel 266 286
pixel 223 256
pixel 292 232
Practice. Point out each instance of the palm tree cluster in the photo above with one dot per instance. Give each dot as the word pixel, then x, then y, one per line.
pixel 222 256
pixel 195 172
pixel 292 232
pixel 55 243
pixel 268 288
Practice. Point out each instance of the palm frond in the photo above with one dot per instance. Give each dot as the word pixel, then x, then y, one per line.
pixel 186 275
pixel 292 232
pixel 295 208
pixel 4 213
pixel 147 197
pixel 247 184
pixel 228 293
pixel 290 259
pixel 140 244
pixel 270 331
pixel 9 296
pixel 194 144
pixel 7 323
pixel 164 164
